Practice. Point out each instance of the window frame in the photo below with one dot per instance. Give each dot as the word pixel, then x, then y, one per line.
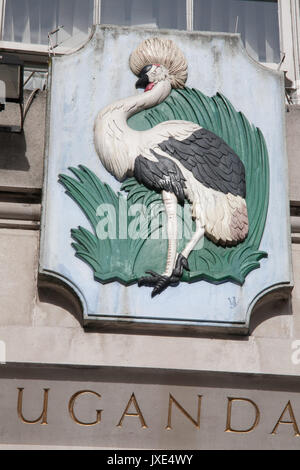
pixel 272 65
pixel 289 28
pixel 2 8
pixel 38 48
pixel 289 37
pixel 41 49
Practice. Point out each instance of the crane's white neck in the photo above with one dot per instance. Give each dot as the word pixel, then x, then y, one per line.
pixel 116 143
pixel 146 100
pixel 132 105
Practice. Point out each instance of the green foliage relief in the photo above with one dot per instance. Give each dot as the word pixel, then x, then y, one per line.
pixel 126 259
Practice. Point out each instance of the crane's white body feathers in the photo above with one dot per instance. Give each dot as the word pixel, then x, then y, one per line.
pixel 223 216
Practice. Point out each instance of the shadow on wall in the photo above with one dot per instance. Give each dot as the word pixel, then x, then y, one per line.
pixel 13 152
pixel 272 305
pixel 60 296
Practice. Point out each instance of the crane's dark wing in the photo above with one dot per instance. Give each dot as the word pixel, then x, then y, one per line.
pixel 211 161
pixel 163 174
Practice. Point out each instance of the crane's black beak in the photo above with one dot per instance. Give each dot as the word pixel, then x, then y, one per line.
pixel 142 82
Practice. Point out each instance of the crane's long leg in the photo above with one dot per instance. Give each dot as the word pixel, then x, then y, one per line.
pixel 181 262
pixel 162 281
pixel 174 265
pixel 199 233
pixel 170 202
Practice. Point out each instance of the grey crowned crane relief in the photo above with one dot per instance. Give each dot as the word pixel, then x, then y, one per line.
pixel 177 158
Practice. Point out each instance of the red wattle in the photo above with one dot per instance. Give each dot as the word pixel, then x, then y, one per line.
pixel 149 86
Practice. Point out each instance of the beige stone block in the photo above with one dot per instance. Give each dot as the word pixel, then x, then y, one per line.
pixel 74 346
pixel 198 419
pixel 18 269
pixel 296 291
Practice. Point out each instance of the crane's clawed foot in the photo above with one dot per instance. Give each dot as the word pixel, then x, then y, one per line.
pixel 160 282
pixel 181 264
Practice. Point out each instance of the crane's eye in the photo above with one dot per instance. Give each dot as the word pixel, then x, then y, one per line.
pixel 145 70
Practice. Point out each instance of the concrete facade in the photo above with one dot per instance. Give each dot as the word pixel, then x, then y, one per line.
pixel 40 324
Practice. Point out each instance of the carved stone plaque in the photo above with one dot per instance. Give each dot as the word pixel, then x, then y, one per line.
pixel 182 189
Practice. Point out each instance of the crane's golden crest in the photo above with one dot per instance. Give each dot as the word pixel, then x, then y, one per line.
pixel 160 51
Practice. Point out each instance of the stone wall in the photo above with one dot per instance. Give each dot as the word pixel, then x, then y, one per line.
pixel 41 323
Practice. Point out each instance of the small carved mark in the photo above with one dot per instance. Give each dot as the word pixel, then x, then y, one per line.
pixel 232 302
